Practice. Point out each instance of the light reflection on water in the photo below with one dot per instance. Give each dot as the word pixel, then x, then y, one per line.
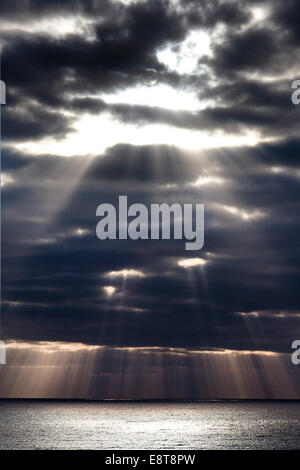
pixel 69 425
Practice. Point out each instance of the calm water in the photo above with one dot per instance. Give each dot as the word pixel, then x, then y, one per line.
pixel 60 425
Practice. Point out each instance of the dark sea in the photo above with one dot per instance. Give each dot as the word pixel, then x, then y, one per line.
pixel 125 425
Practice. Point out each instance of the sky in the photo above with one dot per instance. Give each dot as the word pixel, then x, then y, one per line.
pixel 162 101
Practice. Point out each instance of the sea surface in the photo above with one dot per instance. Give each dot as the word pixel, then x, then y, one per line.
pixel 117 425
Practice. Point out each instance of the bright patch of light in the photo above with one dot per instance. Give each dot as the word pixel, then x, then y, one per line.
pixel 271 314
pixel 191 262
pixel 183 58
pixel 281 170
pixel 57 27
pixel 125 273
pixel 109 290
pixel 46 241
pixel 131 308
pixel 94 134
pixel 206 180
pixel 249 314
pixel 6 179
pixel 259 13
pixel 50 347
pixel 159 95
pixel 277 169
pixel 80 232
pixel 243 214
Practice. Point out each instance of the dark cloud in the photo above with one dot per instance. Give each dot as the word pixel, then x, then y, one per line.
pixel 29 9
pixel 287 15
pixel 154 164
pixel 61 272
pixel 214 12
pixel 33 123
pixel 250 50
pixel 252 93
pixel 46 67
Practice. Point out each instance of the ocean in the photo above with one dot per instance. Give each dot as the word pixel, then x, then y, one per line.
pixel 155 426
